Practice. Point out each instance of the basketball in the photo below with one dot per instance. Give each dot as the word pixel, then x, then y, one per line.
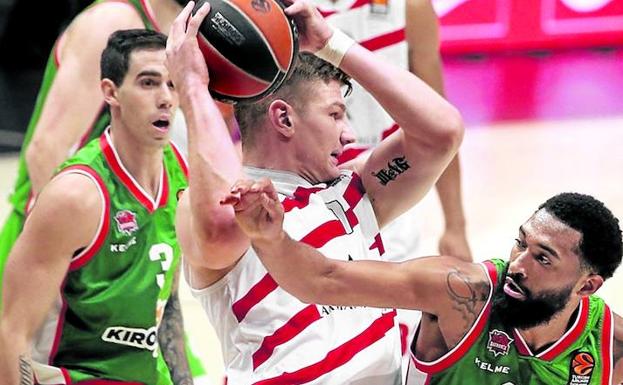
pixel 249 47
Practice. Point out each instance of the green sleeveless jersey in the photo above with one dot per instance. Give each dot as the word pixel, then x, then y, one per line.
pixel 115 291
pixel 21 196
pixel 492 354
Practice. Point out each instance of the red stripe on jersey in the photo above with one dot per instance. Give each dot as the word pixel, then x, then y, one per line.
pixel 390 130
pixel 522 347
pixel 571 335
pixel 470 338
pixel 350 154
pixel 606 347
pixel 329 230
pixel 356 4
pixel 66 376
pixel 150 15
pixel 257 293
pixel 384 40
pixel 285 333
pixel 300 198
pixel 59 325
pixel 126 179
pixel 322 234
pixel 338 356
pixel 354 191
pixel 108 382
pixel 164 193
pixel 180 158
pixel 378 244
pixel 98 240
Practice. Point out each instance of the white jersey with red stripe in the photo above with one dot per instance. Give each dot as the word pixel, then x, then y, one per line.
pixel 379 26
pixel 270 337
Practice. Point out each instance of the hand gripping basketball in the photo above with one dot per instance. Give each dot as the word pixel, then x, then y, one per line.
pixel 249 47
pixel 185 62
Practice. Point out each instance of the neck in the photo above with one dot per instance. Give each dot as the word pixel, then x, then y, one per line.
pixel 541 336
pixel 143 162
pixel 165 12
pixel 277 159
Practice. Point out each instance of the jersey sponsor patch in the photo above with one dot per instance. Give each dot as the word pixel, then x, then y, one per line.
pixel 582 366
pixel 136 337
pixel 126 222
pixel 499 343
pixel 491 368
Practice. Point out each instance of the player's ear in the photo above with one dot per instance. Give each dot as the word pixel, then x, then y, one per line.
pixel 109 90
pixel 591 284
pixel 280 117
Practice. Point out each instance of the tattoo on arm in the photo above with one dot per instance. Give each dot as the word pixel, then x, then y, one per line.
pixel 25 371
pixel 466 295
pixel 394 168
pixel 171 340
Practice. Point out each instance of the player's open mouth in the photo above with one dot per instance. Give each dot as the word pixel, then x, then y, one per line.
pixel 162 125
pixel 512 289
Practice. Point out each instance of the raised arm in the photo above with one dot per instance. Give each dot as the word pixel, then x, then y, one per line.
pixel 74 98
pixel 404 166
pixel 39 261
pixel 207 230
pixel 422 34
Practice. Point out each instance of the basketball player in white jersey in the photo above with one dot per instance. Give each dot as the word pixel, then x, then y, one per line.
pixel 294 137
pixel 407 33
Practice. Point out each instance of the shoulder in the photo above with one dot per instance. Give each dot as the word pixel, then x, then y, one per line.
pixel 108 16
pixel 70 207
pixel 79 190
pixel 88 32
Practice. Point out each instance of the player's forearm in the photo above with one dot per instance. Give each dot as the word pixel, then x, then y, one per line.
pixel 418 109
pixel 15 365
pixel 300 269
pixel 171 340
pixel 214 161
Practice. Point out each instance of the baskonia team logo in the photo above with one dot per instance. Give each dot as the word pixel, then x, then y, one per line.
pixel 499 342
pixel 126 222
pixel 582 365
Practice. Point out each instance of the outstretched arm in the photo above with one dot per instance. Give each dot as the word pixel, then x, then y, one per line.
pixel 444 286
pixel 38 263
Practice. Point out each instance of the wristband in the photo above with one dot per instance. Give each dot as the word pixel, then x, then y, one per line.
pixel 335 49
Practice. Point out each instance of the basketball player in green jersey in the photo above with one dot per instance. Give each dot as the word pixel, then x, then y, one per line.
pixel 91 284
pixel 531 321
pixel 70 111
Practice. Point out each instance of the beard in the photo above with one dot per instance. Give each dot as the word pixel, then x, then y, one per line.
pixel 533 311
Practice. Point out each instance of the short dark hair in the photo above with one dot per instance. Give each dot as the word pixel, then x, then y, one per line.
pixel 115 59
pixel 601 245
pixel 308 68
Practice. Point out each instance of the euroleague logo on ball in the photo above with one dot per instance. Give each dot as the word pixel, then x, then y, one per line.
pixel 261 5
pixel 582 366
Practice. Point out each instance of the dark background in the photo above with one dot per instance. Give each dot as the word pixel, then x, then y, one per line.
pixel 28 30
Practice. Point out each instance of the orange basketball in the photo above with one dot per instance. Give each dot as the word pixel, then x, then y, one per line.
pixel 249 47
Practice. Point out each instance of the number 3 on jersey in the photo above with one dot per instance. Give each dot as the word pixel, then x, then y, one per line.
pixel 163 253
